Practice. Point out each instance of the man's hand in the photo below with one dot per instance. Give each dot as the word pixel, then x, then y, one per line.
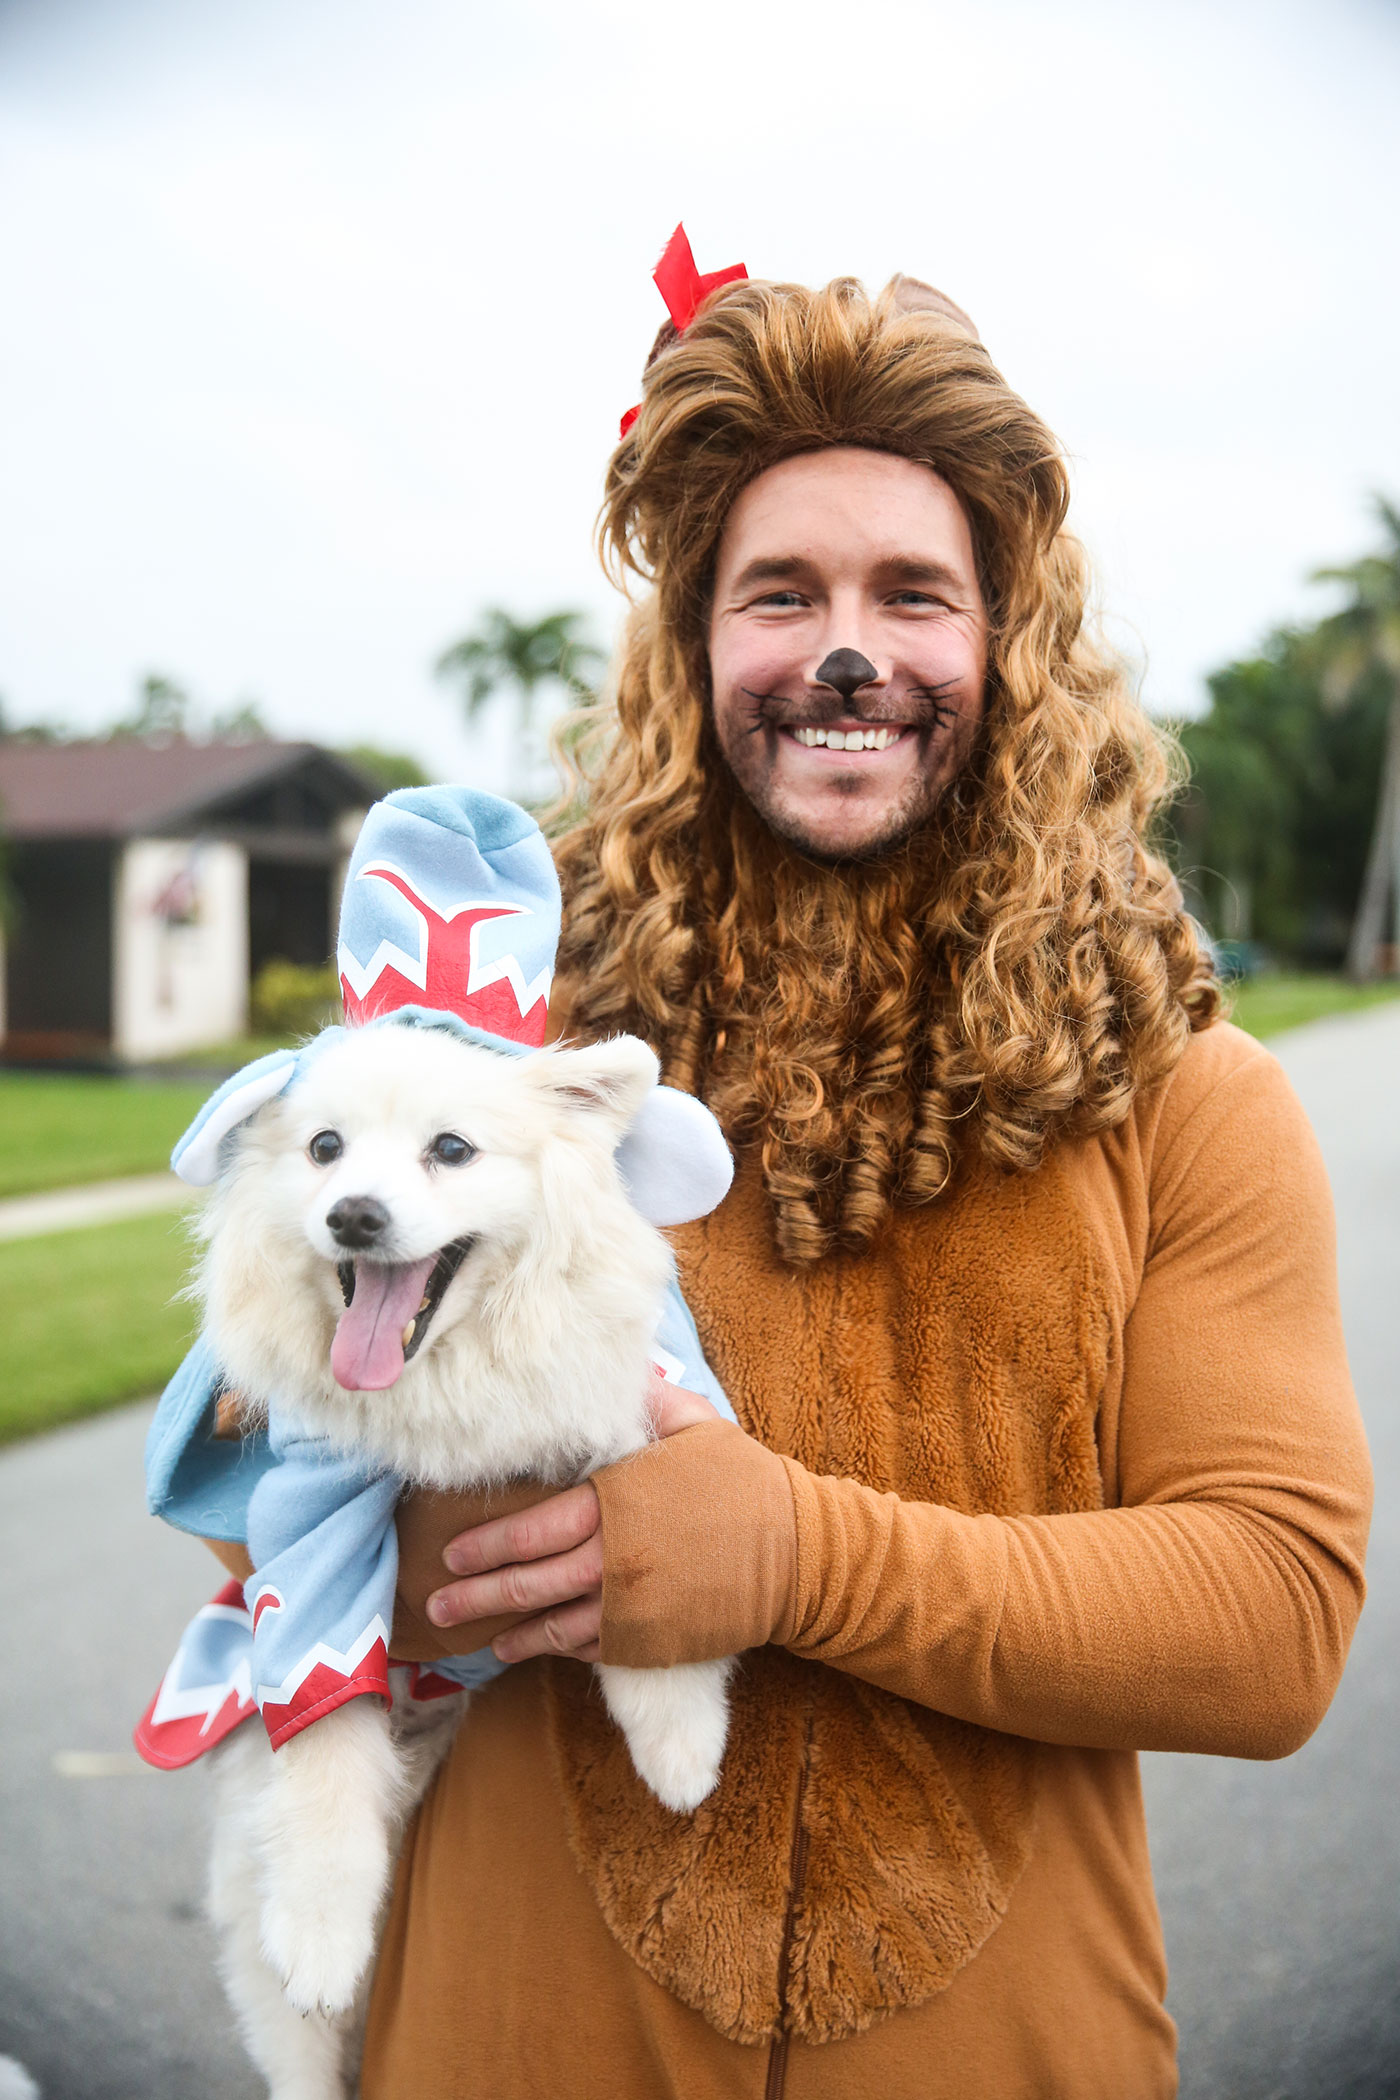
pixel 546 1560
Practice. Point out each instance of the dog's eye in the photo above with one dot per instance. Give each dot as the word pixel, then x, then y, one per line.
pixel 449 1150
pixel 327 1145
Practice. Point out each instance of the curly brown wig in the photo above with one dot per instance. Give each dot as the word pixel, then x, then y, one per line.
pixel 1013 973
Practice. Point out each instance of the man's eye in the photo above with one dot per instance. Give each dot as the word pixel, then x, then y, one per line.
pixel 781 599
pixel 326 1146
pixel 449 1150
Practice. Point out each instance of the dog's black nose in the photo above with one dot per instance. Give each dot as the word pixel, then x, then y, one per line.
pixel 357 1221
pixel 846 670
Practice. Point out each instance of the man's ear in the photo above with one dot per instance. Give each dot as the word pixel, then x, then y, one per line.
pixel 608 1080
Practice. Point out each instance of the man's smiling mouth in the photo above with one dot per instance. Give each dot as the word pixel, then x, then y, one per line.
pixel 872 737
pixel 930 708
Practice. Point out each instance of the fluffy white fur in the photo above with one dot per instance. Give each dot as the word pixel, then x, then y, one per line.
pixel 535 1362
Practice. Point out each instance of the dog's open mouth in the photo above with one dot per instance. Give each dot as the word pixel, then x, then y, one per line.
pixel 388 1308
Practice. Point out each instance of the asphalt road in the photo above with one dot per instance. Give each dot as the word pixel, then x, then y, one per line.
pixel 1279 1884
pixel 107 1987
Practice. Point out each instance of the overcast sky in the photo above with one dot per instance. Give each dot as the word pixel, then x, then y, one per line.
pixel 319 314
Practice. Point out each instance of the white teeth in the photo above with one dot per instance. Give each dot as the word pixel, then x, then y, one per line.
pixel 850 739
pixel 408 1332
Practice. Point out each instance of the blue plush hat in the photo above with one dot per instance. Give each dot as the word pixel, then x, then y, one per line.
pixel 452 904
pixel 450 919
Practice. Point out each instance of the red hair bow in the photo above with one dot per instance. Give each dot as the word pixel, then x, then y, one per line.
pixel 683 288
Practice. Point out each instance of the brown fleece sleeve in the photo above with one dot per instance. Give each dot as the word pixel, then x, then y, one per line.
pixel 721 1507
pixel 1210 1612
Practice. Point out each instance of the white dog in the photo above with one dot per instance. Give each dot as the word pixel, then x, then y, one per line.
pixel 502 1296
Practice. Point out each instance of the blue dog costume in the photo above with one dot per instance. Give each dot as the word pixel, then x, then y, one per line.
pixel 450 920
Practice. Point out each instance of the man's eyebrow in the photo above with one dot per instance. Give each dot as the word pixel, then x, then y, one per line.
pixel 911 570
pixel 771 568
pixel 918 569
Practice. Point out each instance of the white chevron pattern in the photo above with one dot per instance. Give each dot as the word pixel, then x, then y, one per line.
pixel 175 1702
pixel 389 956
pixel 343 1663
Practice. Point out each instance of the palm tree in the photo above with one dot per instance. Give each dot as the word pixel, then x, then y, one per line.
pixel 503 653
pixel 1363 640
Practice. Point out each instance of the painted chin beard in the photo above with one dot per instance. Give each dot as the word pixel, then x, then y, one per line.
pixel 928 712
pixel 891 826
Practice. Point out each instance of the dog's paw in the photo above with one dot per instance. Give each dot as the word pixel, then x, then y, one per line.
pixel 678 1773
pixel 319 1951
pixel 675 1722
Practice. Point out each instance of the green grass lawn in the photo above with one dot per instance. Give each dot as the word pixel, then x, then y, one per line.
pixel 57 1129
pixel 1268 1004
pixel 227 1057
pixel 90 1318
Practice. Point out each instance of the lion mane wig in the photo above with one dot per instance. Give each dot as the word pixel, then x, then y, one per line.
pixel 1010 975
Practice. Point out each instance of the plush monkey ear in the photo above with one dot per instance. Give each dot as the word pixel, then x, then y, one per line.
pixel 672 1153
pixel 674 1159
pixel 196 1157
pixel 609 1080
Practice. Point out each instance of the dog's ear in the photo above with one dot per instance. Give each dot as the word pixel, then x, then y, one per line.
pixel 609 1080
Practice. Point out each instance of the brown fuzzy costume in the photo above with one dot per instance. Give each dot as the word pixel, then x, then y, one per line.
pixel 936 1384
pixel 1073 1468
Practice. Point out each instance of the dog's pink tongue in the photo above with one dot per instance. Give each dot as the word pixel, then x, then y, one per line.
pixel 367 1353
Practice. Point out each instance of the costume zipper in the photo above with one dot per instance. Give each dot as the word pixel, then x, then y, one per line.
pixel 776 2081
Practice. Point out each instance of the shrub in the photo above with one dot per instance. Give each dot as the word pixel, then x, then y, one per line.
pixel 290 999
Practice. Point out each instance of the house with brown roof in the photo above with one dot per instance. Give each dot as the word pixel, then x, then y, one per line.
pixel 148 882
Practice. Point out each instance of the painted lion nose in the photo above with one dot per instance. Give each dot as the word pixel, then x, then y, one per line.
pixel 357 1221
pixel 846 670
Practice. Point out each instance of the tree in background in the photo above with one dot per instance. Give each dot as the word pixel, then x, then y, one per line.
pixel 1272 833
pixel 387 769
pixel 522 657
pixel 30 732
pixel 1362 649
pixel 162 710
pixel 243 723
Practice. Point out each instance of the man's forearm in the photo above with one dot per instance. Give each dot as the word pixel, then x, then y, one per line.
pixel 1192 1626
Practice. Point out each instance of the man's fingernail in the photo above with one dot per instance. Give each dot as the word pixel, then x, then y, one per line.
pixel 453 1560
pixel 437 1610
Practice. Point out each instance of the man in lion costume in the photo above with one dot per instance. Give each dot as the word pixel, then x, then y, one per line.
pixel 1024 1296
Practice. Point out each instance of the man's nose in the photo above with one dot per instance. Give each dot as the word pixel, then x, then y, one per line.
pixel 357 1221
pixel 846 671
